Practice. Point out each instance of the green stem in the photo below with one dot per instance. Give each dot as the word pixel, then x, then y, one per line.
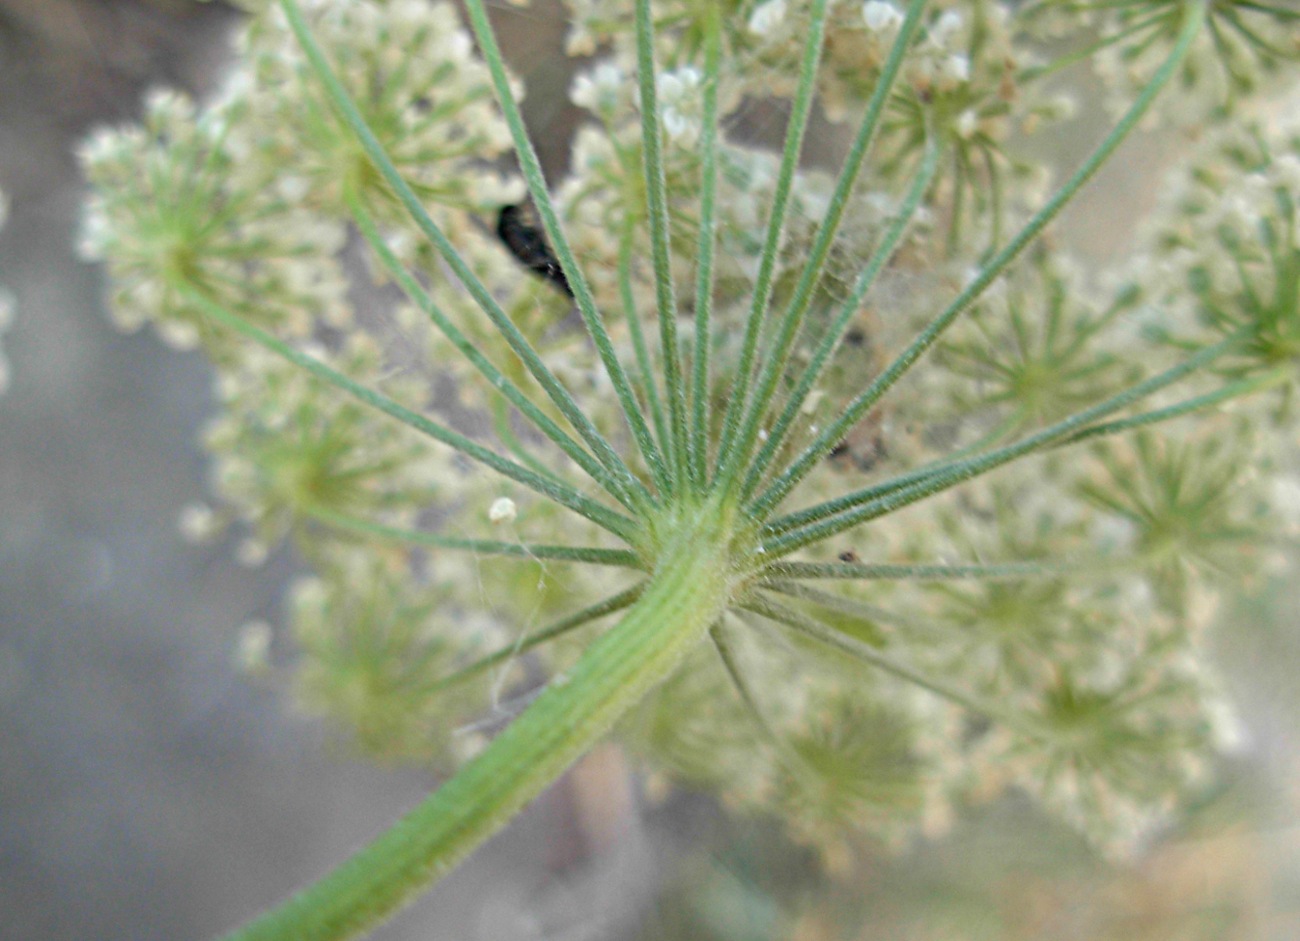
pixel 777 355
pixel 794 136
pixel 531 167
pixel 649 385
pixel 1241 387
pixel 783 524
pixel 982 464
pixel 657 207
pixel 1278 12
pixel 1050 568
pixel 1035 72
pixel 1276 377
pixel 700 406
pixel 593 555
pixel 686 594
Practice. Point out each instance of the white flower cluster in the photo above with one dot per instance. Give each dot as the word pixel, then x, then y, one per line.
pixel 1222 251
pixel 882 18
pixel 681 99
pixel 284 453
pixel 767 17
pixel 1245 49
pixel 410 67
pixel 603 90
pixel 369 644
pixel 1092 690
pixel 177 203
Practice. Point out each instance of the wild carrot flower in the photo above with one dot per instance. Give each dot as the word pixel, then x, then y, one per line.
pixel 885 492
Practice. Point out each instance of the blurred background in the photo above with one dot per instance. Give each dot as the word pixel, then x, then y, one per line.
pixel 149 791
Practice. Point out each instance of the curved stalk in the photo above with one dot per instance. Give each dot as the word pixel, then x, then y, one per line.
pixel 686 594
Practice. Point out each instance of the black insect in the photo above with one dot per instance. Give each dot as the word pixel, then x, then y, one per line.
pixel 521 232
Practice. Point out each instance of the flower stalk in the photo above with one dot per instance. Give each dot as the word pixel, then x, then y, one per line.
pixel 690 588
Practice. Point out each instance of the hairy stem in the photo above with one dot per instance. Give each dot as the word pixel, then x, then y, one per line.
pixel 531 167
pixel 593 555
pixel 776 357
pixel 982 464
pixel 685 595
pixel 794 137
pixel 700 408
pixel 657 208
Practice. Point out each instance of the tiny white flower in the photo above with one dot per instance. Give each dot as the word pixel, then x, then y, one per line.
pixel 598 89
pixel 1286 169
pixel 178 335
pixel 1286 500
pixel 946 28
pixel 503 510
pixel 967 123
pixel 680 102
pixel 469 744
pixel 1230 733
pixel 253 648
pixel 252 553
pixel 881 17
pixel 197 522
pixel 767 17
pixel 955 68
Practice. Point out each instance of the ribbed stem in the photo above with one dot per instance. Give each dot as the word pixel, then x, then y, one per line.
pixel 685 595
